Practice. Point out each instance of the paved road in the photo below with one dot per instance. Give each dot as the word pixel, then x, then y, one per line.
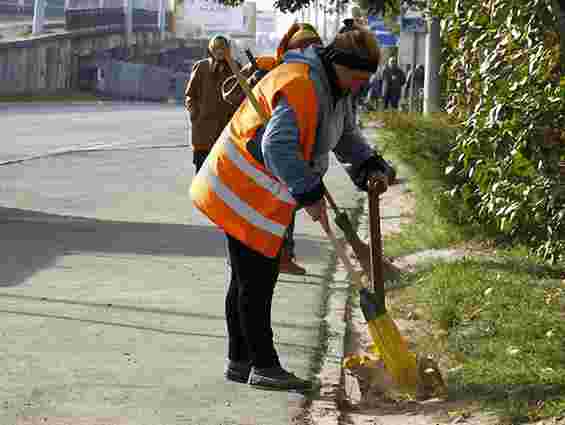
pixel 112 285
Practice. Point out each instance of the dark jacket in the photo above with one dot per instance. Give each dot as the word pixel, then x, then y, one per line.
pixel 393 80
pixel 418 76
pixel 209 113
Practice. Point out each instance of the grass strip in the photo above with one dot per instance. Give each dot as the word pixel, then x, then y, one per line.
pixel 499 315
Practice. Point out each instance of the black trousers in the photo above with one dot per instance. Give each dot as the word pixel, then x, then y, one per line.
pixel 248 305
pixel 392 100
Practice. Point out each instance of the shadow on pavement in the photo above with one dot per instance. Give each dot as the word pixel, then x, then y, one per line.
pixel 32 240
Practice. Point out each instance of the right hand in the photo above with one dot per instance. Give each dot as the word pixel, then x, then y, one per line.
pixel 318 212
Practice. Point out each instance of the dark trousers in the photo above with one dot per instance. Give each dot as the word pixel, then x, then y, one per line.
pixel 198 158
pixel 248 305
pixel 392 99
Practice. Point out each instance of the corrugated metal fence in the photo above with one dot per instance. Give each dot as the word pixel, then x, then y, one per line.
pixel 132 81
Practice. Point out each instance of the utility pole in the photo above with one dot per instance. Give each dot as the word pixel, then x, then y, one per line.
pixel 128 12
pixel 38 17
pixel 325 29
pixel 161 17
pixel 433 58
pixel 413 68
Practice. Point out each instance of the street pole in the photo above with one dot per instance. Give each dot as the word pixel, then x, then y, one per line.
pixel 38 17
pixel 161 17
pixel 316 5
pixel 433 57
pixel 414 59
pixel 128 6
pixel 325 21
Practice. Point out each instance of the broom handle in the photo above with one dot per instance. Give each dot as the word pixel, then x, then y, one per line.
pixel 375 186
pixel 245 86
pixel 340 250
pixel 330 199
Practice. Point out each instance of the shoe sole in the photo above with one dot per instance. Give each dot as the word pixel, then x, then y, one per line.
pixel 273 387
pixel 279 389
pixel 236 377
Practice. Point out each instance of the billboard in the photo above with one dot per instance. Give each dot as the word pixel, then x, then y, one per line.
pixel 266 38
pixel 214 17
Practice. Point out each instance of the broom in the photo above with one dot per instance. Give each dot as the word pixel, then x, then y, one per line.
pixel 392 348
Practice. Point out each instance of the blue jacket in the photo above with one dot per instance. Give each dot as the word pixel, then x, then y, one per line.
pixel 277 142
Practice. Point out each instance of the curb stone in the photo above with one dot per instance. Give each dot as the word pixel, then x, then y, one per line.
pixel 325 409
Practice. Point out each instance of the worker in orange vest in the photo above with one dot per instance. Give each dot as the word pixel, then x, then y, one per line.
pixel 259 172
pixel 298 36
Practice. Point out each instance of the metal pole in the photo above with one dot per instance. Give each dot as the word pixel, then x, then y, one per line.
pixel 128 6
pixel 325 21
pixel 316 6
pixel 161 17
pixel 433 57
pixel 414 59
pixel 38 17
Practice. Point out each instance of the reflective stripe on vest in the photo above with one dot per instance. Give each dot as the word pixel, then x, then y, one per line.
pixel 238 193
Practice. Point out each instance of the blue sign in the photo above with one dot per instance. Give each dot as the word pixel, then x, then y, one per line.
pixel 385 37
pixel 412 24
pixel 376 23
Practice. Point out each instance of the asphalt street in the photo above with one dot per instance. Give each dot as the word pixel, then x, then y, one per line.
pixel 112 284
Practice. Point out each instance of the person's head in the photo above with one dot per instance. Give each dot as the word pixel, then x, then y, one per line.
pixel 217 47
pixel 392 61
pixel 298 36
pixel 355 55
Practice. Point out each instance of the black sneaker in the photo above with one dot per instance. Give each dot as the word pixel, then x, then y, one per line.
pixel 276 378
pixel 238 371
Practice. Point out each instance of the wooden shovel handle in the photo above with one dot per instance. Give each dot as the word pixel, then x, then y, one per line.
pixel 245 86
pixel 340 250
pixel 375 186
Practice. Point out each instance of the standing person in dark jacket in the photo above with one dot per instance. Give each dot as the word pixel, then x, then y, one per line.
pixel 209 112
pixel 393 80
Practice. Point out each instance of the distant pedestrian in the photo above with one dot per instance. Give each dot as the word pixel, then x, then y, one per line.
pixel 393 81
pixel 209 112
pixel 375 92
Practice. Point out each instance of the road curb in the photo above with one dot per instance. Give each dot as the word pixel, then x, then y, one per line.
pixel 325 409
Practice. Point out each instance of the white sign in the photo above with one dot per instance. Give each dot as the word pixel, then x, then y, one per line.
pixel 266 21
pixel 412 24
pixel 214 17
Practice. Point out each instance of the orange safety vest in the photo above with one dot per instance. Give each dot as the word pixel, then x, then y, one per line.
pixel 233 189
